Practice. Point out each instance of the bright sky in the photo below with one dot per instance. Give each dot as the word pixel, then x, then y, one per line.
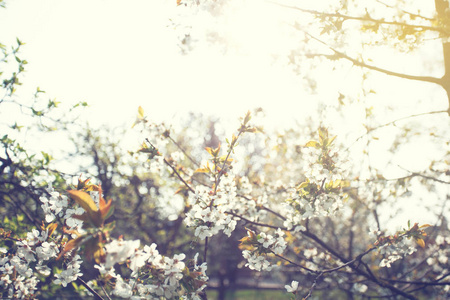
pixel 119 56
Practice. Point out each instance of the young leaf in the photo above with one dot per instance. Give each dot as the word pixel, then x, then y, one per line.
pixel 51 228
pixel 140 112
pixel 210 150
pixel 202 170
pixel 84 200
pixel 72 244
pixel 331 140
pixel 420 242
pixel 312 144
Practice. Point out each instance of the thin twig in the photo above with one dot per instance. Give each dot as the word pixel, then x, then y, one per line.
pixel 83 283
pixel 295 264
pixel 104 291
pixel 256 223
pixel 393 123
pixel 179 176
pixel 313 286
pixel 184 151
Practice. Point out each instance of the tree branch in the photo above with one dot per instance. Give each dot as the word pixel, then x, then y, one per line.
pixel 179 176
pixel 366 18
pixel 369 130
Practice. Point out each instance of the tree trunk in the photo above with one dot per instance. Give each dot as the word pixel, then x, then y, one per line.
pixel 443 12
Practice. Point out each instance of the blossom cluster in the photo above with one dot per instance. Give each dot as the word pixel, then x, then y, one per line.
pixel 57 206
pixel 260 246
pixel 152 275
pixel 209 211
pixel 256 261
pixel 321 193
pixel 394 251
pixel 20 271
pixel 315 258
pixel 311 200
pixel 323 161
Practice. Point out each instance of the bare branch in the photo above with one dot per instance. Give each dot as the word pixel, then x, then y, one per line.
pixel 369 130
pixel 179 176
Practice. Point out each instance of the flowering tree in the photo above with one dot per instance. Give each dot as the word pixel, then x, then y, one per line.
pixel 301 205
pixel 282 223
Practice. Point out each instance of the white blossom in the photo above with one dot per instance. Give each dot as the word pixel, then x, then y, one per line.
pixel 293 287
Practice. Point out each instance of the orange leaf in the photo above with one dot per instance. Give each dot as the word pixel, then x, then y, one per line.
pixel 104 209
pixel 210 151
pixel 84 200
pixel 51 228
pixel 101 200
pixel 201 170
pixel 94 249
pixel 72 244
pixel 84 217
pixel 420 242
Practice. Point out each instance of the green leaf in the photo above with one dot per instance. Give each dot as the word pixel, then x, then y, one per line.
pixel 303 185
pixel 331 140
pixel 52 103
pixel 46 156
pixel 37 112
pixel 15 126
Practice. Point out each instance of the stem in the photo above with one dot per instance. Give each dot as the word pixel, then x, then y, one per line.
pixel 393 123
pixel 313 286
pixel 184 151
pixel 205 253
pixel 179 176
pixel 96 295
pixel 295 264
pixel 256 223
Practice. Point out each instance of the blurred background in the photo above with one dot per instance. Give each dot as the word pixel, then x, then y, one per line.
pixel 375 73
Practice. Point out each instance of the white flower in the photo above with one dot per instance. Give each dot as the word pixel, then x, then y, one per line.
pixel 5 280
pixel 292 288
pixel 122 289
pixel 360 288
pixel 202 232
pixel 266 240
pixel 71 273
pixel 230 227
pixel 101 268
pixel 256 262
pixel 138 260
pixel 118 251
pixel 43 270
pixel 7 269
pixel 46 251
